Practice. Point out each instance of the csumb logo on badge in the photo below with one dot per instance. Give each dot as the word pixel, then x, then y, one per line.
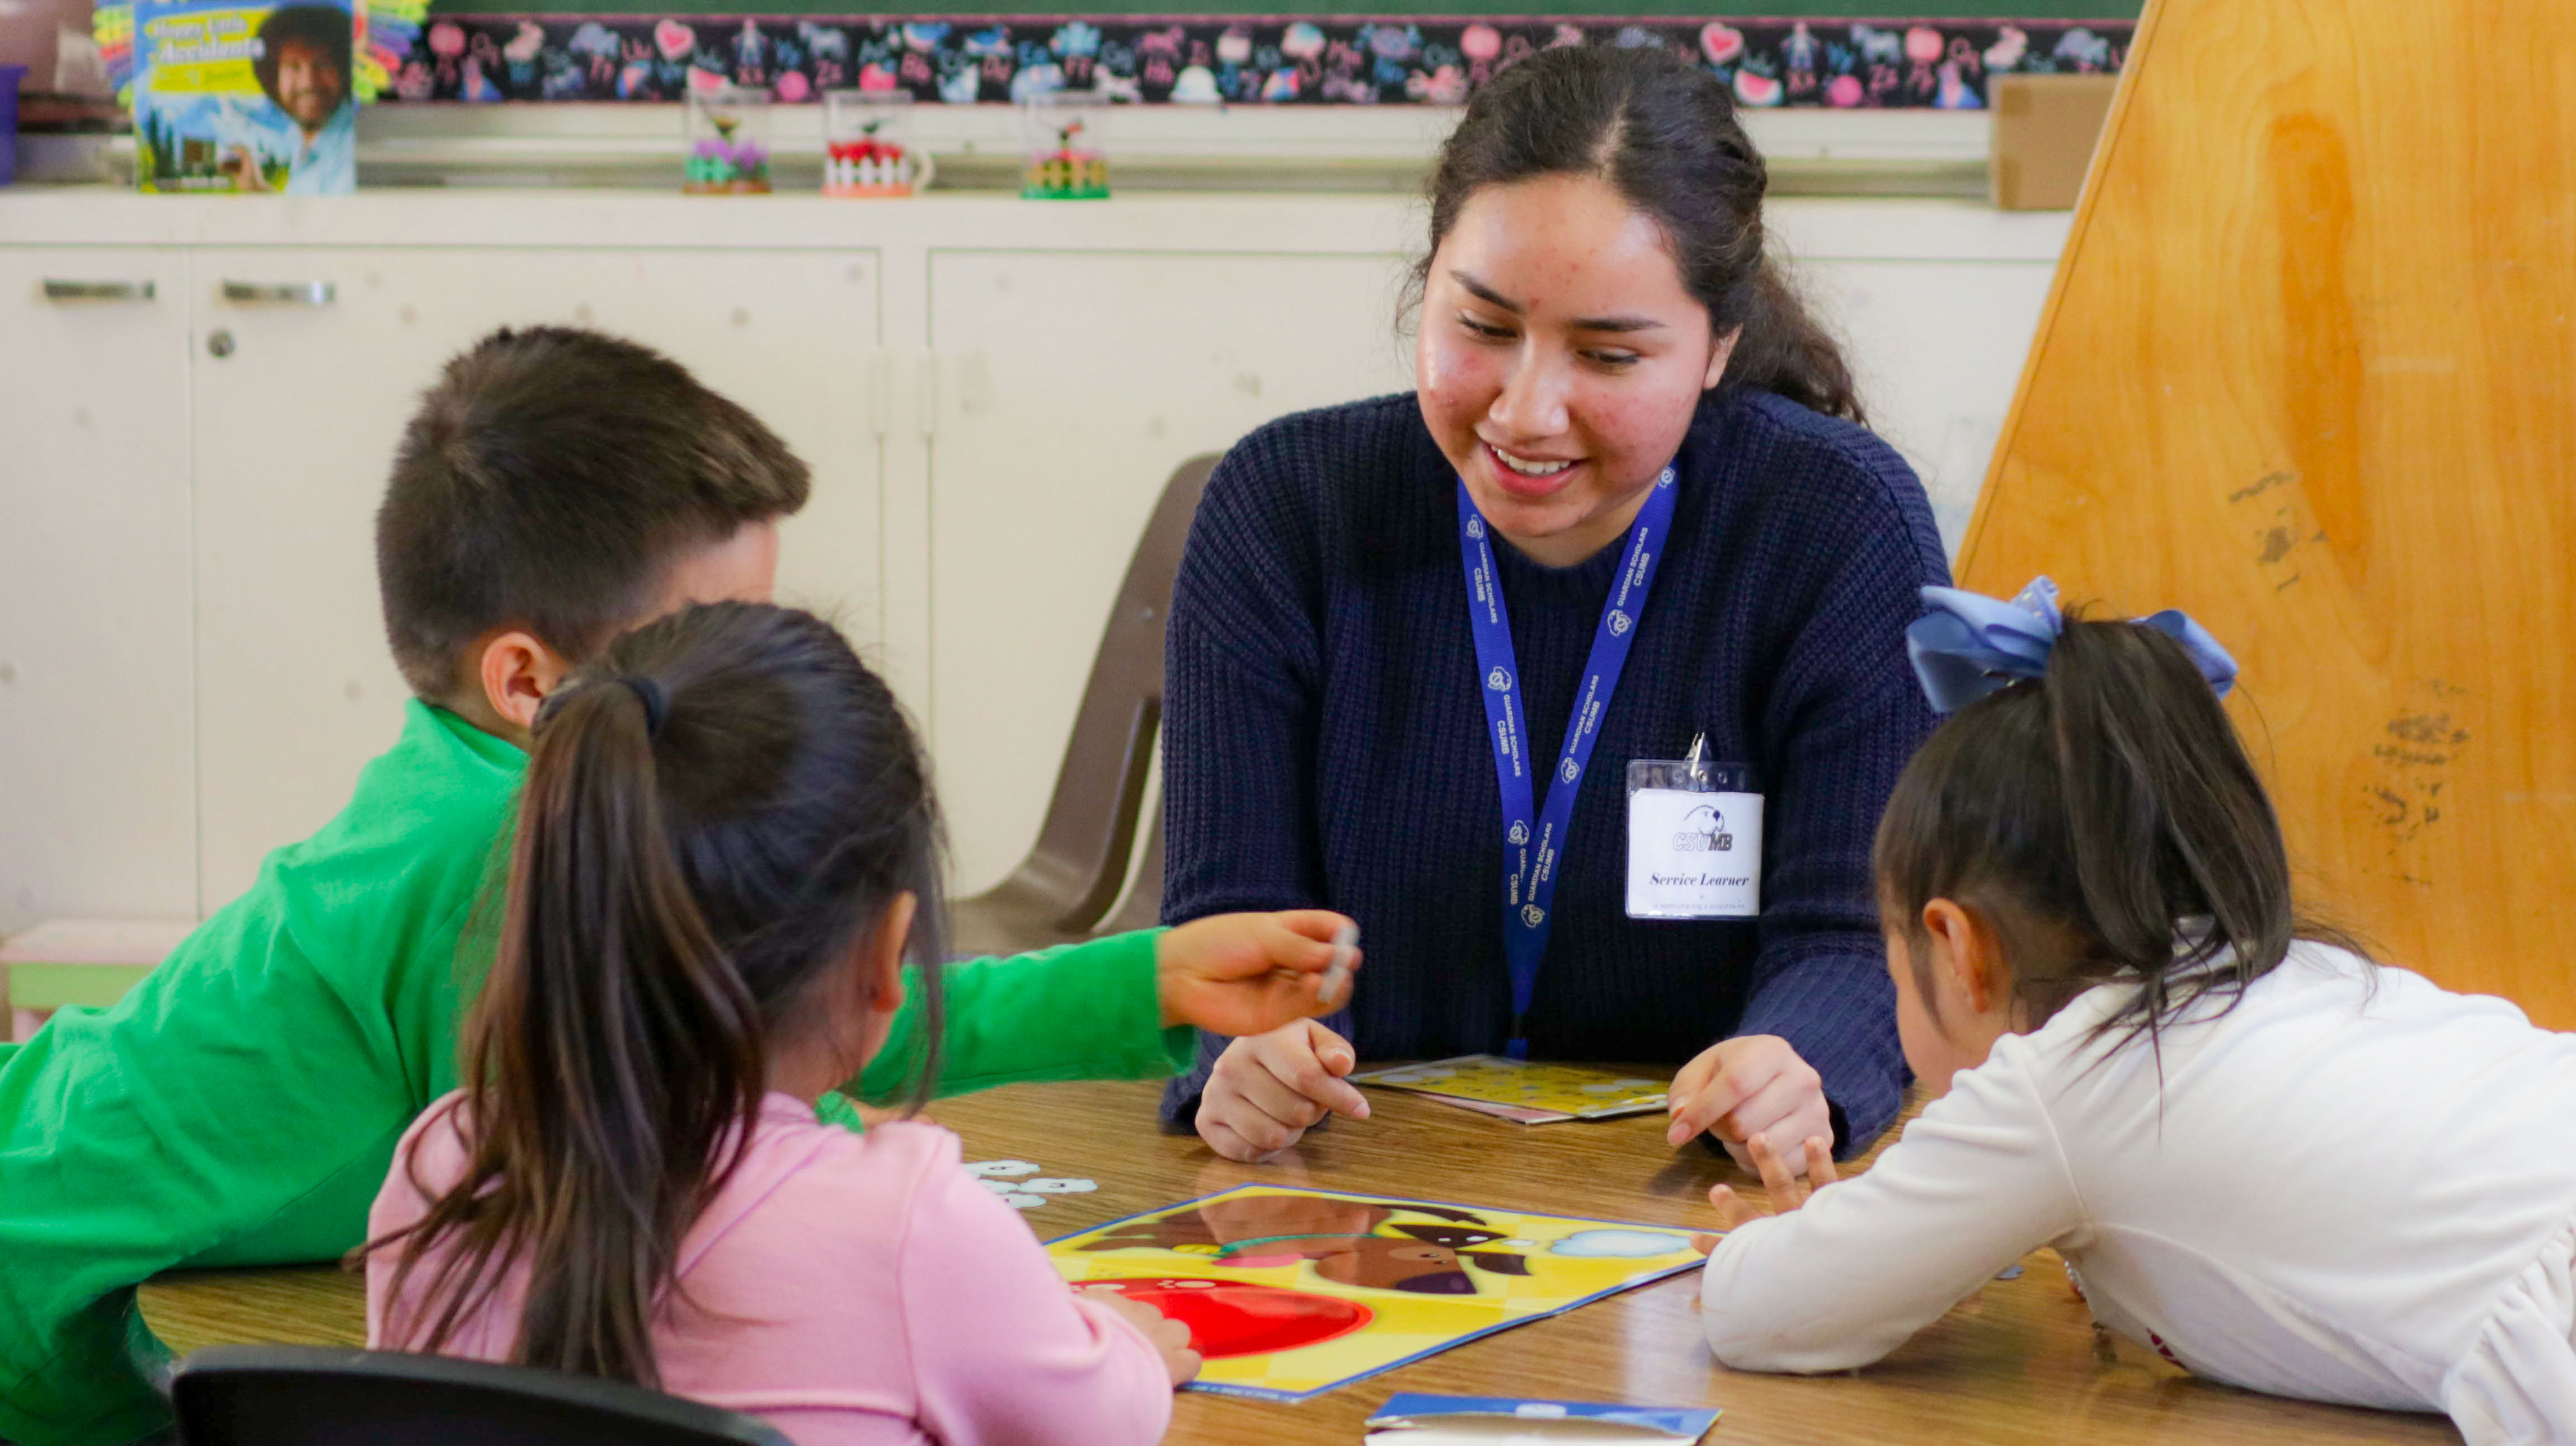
pixel 1704 832
pixel 1619 623
pixel 1570 769
pixel 1519 834
pixel 1499 681
pixel 1475 527
pixel 1533 915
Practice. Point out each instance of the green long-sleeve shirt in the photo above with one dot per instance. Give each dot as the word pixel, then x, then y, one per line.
pixel 241 1105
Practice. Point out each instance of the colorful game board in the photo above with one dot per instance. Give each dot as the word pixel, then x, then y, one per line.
pixel 1533 1094
pixel 1289 1292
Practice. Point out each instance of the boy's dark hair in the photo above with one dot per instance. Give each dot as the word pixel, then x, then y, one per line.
pixel 325 28
pixel 2106 823
pixel 547 482
pixel 718 814
pixel 1663 133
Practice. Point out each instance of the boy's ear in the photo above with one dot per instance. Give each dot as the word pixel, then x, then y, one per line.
pixel 516 673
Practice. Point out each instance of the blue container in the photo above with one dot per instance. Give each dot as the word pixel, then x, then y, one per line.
pixel 10 75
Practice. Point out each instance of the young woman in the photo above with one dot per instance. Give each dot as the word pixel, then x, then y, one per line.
pixel 2266 1158
pixel 1597 313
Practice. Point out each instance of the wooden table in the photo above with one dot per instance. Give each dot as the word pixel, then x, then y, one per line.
pixel 2017 1363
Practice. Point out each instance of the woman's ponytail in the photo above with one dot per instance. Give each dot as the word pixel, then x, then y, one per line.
pixel 1781 347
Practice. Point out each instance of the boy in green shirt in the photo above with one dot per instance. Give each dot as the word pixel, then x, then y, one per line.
pixel 241 1105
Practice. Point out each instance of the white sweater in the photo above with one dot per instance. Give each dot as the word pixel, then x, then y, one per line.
pixel 2353 1187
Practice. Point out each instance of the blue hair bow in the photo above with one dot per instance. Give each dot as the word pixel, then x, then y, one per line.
pixel 1971 645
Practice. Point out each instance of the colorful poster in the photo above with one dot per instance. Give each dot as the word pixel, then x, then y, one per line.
pixel 1515 1089
pixel 236 97
pixel 1289 1293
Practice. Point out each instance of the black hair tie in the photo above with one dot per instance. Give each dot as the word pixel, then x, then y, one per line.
pixel 657 704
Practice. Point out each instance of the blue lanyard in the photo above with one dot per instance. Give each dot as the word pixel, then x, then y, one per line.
pixel 1534 838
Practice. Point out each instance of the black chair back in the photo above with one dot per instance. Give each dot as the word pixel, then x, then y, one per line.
pixel 325 1396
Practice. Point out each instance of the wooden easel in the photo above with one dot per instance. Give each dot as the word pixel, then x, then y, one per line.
pixel 2309 372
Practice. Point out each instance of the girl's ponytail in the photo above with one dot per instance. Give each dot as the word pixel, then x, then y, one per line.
pixel 714 819
pixel 2104 820
pixel 2176 853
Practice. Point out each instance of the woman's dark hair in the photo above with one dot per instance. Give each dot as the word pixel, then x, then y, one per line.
pixel 2106 823
pixel 1664 134
pixel 717 815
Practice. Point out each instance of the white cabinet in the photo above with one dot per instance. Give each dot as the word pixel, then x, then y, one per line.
pixel 97 788
pixel 1070 385
pixel 301 401
pixel 991 393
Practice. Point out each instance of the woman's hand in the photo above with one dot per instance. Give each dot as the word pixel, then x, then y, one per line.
pixel 1168 1336
pixel 1787 1192
pixel 1747 1086
pixel 1268 1089
pixel 1242 974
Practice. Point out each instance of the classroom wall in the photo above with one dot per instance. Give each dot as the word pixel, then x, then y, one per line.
pixel 191 665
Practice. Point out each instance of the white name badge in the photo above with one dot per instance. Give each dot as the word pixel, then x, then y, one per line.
pixel 1694 841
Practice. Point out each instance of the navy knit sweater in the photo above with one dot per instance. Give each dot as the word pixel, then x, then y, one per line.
pixel 1325 737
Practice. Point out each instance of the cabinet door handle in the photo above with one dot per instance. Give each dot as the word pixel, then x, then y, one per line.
pixel 60 289
pixel 280 293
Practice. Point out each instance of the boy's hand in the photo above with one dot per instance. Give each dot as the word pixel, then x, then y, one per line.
pixel 1269 1089
pixel 1240 974
pixel 1786 1190
pixel 1752 1084
pixel 1168 1335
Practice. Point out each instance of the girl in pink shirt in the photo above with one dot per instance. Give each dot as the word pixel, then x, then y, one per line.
pixel 727 848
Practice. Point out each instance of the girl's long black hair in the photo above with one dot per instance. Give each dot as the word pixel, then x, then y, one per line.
pixel 718 815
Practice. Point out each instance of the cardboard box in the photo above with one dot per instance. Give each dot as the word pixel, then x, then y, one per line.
pixel 2045 129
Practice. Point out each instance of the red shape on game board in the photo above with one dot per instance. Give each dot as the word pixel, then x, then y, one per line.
pixel 1232 1318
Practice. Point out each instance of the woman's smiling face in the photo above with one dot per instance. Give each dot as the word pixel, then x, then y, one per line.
pixel 1560 360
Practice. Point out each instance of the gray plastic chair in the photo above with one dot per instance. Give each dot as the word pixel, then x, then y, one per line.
pixel 322 1396
pixel 1078 868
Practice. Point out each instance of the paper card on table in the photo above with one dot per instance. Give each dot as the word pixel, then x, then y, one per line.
pixel 1414 1419
pixel 1292 1292
pixel 1531 1093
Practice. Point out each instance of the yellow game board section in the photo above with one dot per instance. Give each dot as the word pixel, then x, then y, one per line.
pixel 1418 1276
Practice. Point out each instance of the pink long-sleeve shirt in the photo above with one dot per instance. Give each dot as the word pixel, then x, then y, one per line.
pixel 852 1290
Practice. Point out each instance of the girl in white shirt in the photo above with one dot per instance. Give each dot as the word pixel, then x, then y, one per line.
pixel 2272 1161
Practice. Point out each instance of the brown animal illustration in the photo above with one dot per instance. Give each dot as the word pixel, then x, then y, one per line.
pixel 1338 1235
